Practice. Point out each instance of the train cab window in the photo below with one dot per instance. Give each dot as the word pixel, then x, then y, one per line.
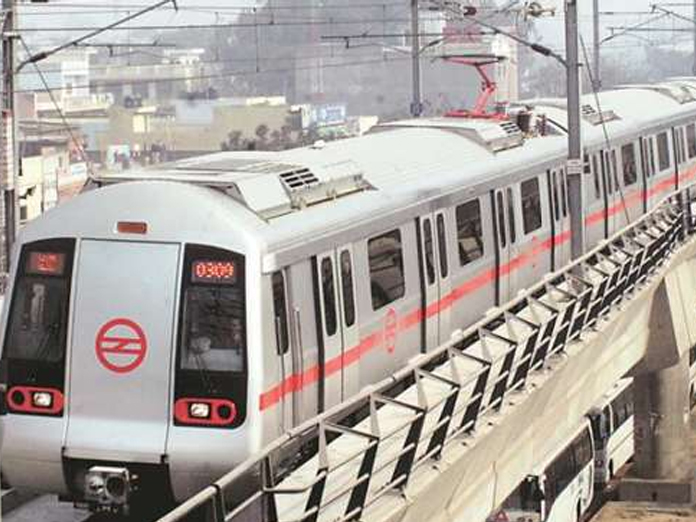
pixel 280 312
pixel 347 288
pixel 511 215
pixel 213 333
pixel 531 205
pixel 469 232
pixel 39 309
pixel 628 162
pixel 500 210
pixel 663 157
pixel 429 252
pixel 691 140
pixel 582 448
pixel 385 256
pixel 328 289
pixel 442 245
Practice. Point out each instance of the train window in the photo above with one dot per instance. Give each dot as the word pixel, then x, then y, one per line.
pixel 614 170
pixel 691 140
pixel 329 290
pixel 39 311
pixel 500 209
pixel 213 333
pixel 347 288
pixel 628 161
pixel 595 177
pixel 531 205
pixel 663 157
pixel 511 215
pixel 442 245
pixel 606 172
pixel 280 312
pixel 469 232
pixel 429 252
pixel 386 262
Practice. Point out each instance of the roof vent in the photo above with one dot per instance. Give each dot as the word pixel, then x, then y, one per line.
pixel 590 115
pixel 298 179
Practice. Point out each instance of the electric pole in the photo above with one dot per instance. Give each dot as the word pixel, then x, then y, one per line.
pixel 597 80
pixel 416 104
pixel 10 160
pixel 574 171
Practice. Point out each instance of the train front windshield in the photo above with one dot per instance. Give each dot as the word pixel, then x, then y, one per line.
pixel 212 362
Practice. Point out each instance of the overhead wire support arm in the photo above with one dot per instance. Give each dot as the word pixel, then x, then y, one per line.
pixel 536 47
pixel 77 41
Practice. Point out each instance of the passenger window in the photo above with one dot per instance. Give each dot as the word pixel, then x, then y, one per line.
pixel 614 170
pixel 554 196
pixel 428 251
pixel 663 156
pixel 329 291
pixel 469 232
pixel 531 205
pixel 511 215
pixel 607 173
pixel 691 140
pixel 500 209
pixel 386 261
pixel 347 288
pixel 442 245
pixel 628 161
pixel 280 313
pixel 595 177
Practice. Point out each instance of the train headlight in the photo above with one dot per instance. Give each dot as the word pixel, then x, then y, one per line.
pixel 42 399
pixel 199 410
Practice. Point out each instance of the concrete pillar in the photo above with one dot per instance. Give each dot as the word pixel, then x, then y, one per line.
pixel 662 434
pixel 663 462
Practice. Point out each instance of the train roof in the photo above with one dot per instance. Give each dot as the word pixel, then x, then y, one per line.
pixel 328 188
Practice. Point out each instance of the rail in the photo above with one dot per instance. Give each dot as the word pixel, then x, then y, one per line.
pixel 335 466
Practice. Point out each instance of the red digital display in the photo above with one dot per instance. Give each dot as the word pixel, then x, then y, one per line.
pixel 46 263
pixel 214 272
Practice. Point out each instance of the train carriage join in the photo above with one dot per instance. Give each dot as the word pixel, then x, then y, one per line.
pixel 167 323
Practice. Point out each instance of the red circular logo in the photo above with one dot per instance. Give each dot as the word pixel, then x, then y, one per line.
pixel 121 345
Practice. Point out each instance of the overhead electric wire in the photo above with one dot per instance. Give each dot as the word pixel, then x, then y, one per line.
pixel 60 112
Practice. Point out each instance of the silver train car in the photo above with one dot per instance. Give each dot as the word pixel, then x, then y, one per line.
pixel 165 325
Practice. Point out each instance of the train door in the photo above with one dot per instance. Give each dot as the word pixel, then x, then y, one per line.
pixel 306 397
pixel 594 200
pixel 331 342
pixel 349 321
pixel 664 177
pixel 506 243
pixel 647 161
pixel 626 181
pixel 435 278
pixel 614 196
pixel 123 339
pixel 429 283
pixel 560 249
pixel 281 329
pixel 679 154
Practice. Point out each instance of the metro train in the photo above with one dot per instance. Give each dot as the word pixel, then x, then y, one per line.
pixel 167 323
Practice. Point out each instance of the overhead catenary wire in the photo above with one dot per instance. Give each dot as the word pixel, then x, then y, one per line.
pixel 61 114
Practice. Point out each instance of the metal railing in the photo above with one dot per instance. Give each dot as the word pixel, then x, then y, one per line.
pixel 335 466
